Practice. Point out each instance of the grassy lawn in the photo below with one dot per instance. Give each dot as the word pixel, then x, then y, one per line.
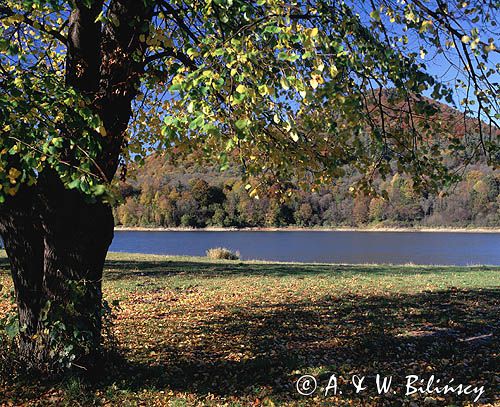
pixel 199 332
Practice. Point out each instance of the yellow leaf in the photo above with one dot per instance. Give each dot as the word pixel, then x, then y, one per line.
pixel 284 83
pixel 333 71
pixel 16 18
pixel 241 88
pixel 102 131
pixel 427 24
pixel 14 173
pixel 490 47
pixel 263 90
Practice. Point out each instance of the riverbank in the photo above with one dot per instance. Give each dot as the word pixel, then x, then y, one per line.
pixel 197 332
pixel 313 229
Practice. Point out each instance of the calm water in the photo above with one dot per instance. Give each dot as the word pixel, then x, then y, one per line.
pixel 335 247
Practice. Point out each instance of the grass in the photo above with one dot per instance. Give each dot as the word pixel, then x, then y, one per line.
pixel 194 331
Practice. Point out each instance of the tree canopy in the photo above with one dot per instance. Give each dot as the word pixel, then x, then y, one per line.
pixel 288 88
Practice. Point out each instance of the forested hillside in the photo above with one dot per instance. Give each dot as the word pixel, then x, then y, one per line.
pixel 168 194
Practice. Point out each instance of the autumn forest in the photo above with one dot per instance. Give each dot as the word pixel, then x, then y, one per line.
pixel 186 194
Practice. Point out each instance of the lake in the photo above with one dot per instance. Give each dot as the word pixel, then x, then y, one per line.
pixel 450 248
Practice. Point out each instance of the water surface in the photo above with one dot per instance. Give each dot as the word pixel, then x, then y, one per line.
pixel 320 246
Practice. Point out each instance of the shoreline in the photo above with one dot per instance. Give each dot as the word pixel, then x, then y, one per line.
pixel 313 229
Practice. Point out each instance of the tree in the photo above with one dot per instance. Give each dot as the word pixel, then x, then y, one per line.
pixel 304 214
pixel 87 85
pixel 361 209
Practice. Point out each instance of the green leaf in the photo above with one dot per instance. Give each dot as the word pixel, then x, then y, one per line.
pixel 12 329
pixel 74 184
pixel 375 15
pixel 242 124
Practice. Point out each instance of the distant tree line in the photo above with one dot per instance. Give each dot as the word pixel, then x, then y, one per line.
pixel 188 196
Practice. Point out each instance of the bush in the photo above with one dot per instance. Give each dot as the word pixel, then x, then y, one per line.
pixel 221 253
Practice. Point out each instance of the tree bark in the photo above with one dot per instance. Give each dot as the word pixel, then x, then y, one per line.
pixel 57 242
pixel 21 233
pixel 76 235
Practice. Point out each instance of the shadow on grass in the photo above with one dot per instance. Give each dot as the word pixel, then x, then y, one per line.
pixel 260 350
pixel 4 263
pixel 122 269
pixel 132 269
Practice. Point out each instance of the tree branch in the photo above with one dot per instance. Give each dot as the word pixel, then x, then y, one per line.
pixel 170 52
pixel 442 18
pixel 6 11
pixel 180 22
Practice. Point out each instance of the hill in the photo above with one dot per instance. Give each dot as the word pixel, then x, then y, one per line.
pixel 168 192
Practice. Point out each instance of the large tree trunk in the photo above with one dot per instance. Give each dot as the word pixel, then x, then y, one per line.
pixel 57 242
